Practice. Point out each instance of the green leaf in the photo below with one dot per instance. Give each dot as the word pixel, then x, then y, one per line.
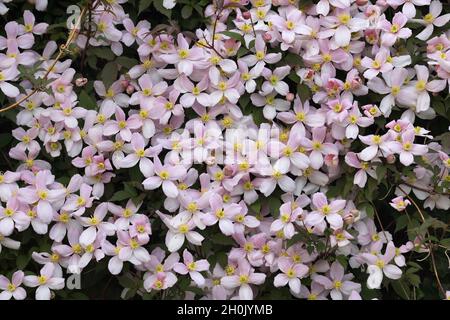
pixel 445 243
pixel 126 62
pixel 234 35
pixel 121 195
pixel 186 12
pixel 303 92
pixel 158 4
pixel 220 238
pixel 381 173
pixel 109 74
pixel 86 101
pixel 103 53
pixel 5 139
pixel 127 282
pixel 144 4
pixel 22 261
pixel 293 60
pixel 274 206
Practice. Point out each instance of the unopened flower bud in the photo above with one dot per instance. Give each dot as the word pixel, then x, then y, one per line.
pixel 267 36
pixel 80 82
pixel 228 171
pixel 246 14
pixel 361 2
pixel 290 97
pixel 130 89
pixel 210 161
pixel 390 159
pixel 349 219
pixel 125 83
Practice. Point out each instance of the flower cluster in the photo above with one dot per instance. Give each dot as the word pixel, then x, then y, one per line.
pixel 214 124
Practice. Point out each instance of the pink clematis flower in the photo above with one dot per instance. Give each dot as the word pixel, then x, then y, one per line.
pixel 12 289
pixel 273 80
pixel 399 203
pixel 318 147
pixel 165 176
pixel 41 193
pixel 339 283
pixel 377 65
pixel 288 215
pixel 406 147
pixel 121 125
pixel 184 59
pixel 394 30
pixel 379 264
pixel 323 210
pixel 49 279
pixel 192 267
pixel 221 213
pixel 432 19
pixel 291 274
pixel 244 277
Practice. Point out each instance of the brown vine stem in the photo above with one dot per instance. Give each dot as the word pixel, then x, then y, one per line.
pixel 62 49
pixel 430 245
pixel 424 189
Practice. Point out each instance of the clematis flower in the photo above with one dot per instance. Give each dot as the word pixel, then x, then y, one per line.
pixel 165 176
pixel 339 283
pixel 49 279
pixel 323 210
pixel 12 289
pixel 288 215
pixel 192 267
pixel 244 277
pixel 379 264
pixel 185 59
pixel 179 230
pixel 273 80
pixel 406 148
pixel 291 274
pixel 394 30
pixel 399 203
pixel 432 19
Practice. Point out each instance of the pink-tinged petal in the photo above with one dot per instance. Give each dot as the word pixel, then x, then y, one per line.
pixel 245 292
pixel 230 282
pixel 226 226
pixel 375 277
pixel 6 226
pixel 43 293
pixel 19 294
pixel 152 183
pixel 442 20
pixel 170 189
pixel 88 236
pixel 406 158
pixel 342 36
pixel 280 280
pixel 44 211
pixel 316 159
pixel 368 153
pixel 115 265
pixel 392 271
pixel 335 220
pixel 314 218
pixel 295 285
pixel 198 278
pixel 319 200
pixel 174 241
pixel 9 90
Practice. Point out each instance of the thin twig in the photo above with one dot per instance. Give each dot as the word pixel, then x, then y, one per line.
pixel 62 51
